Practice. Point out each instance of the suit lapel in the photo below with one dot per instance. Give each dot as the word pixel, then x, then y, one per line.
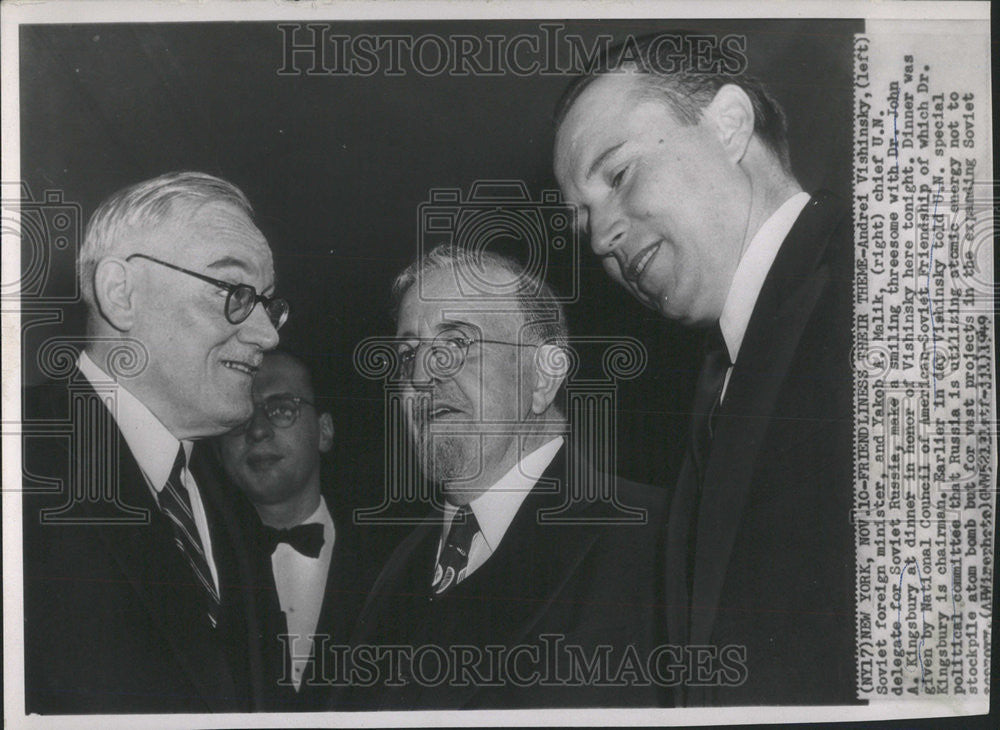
pixel 678 525
pixel 237 587
pixel 341 601
pixel 155 569
pixel 342 597
pixel 532 564
pixel 785 304
pixel 404 582
pixel 163 583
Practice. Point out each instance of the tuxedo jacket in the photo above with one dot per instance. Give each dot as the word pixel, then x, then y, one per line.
pixel 347 585
pixel 774 556
pixel 114 620
pixel 584 582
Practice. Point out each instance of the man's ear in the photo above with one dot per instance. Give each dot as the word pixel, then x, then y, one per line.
pixel 114 292
pixel 731 112
pixel 325 432
pixel 551 365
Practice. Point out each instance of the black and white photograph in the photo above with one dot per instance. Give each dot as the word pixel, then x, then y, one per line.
pixel 508 363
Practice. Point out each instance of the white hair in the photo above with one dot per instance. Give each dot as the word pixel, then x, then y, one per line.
pixel 145 204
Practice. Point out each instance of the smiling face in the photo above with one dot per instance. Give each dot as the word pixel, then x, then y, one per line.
pixel 277 465
pixel 201 367
pixel 450 411
pixel 665 206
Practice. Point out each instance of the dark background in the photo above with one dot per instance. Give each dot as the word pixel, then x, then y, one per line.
pixel 336 167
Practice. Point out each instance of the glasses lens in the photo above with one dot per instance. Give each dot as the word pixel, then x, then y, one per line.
pixel 281 412
pixel 240 303
pixel 277 312
pixel 445 356
pixel 440 358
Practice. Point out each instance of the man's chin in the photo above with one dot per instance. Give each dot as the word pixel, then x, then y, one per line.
pixel 266 492
pixel 441 470
pixel 235 407
pixel 220 425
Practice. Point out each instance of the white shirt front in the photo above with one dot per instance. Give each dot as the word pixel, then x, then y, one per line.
pixel 153 447
pixel 495 508
pixel 301 584
pixel 751 272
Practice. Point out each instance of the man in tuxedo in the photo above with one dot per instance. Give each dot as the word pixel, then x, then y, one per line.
pixel 684 183
pixel 275 460
pixel 139 596
pixel 527 545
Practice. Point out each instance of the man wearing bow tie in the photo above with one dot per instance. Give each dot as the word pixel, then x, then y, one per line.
pixel 274 459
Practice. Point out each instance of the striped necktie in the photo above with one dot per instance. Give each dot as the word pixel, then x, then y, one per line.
pixel 176 504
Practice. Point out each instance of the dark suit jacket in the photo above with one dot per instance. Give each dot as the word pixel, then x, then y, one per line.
pixel 347 584
pixel 774 565
pixel 114 620
pixel 589 582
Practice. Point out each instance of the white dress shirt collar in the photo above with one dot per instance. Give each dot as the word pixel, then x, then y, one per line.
pixel 152 445
pixel 495 508
pixel 753 269
pixel 322 516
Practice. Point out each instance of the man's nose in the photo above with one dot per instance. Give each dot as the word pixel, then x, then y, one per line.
pixel 257 329
pixel 608 230
pixel 260 427
pixel 424 373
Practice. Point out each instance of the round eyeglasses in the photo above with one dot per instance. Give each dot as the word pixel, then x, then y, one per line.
pixel 445 354
pixel 240 300
pixel 281 411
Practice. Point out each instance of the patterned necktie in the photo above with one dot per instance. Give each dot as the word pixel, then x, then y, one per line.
pixel 455 554
pixel 176 504
pixel 306 539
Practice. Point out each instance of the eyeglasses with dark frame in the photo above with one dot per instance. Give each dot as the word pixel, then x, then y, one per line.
pixel 281 411
pixel 446 353
pixel 241 298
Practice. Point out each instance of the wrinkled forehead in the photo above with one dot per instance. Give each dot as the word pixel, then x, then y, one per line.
pixel 207 233
pixel 444 298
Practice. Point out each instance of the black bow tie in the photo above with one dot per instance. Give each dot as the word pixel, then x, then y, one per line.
pixel 307 539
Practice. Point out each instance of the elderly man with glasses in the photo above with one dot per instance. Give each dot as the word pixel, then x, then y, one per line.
pixel 275 460
pixel 531 563
pixel 138 589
